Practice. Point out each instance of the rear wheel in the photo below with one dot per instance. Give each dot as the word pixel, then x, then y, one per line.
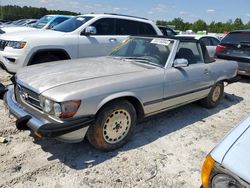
pixel 114 126
pixel 214 97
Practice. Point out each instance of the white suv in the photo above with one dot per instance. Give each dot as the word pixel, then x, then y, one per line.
pixel 87 35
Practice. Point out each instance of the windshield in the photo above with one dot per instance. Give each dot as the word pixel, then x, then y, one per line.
pixel 154 51
pixel 43 21
pixel 236 38
pixel 72 24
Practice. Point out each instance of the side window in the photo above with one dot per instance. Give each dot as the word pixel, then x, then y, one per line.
pixel 206 41
pixel 215 42
pixel 56 22
pixel 126 27
pixel 105 26
pixel 146 29
pixel 190 51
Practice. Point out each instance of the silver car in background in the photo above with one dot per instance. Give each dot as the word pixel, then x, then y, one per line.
pixel 211 41
pixel 228 164
pixel 104 97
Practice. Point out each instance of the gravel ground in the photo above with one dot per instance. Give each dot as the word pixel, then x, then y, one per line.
pixel 167 150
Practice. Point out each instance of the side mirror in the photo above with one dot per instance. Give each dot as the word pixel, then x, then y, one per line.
pixel 90 30
pixel 180 63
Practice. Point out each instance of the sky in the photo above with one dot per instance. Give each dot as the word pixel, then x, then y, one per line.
pixel 188 10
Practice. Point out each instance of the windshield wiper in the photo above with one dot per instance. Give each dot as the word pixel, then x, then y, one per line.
pixel 142 60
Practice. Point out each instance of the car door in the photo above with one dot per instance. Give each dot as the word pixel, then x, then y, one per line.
pixel 102 42
pixel 187 84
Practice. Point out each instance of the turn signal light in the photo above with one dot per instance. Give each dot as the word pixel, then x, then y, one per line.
pixel 207 168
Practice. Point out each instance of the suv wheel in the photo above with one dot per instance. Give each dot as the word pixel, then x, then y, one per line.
pixel 113 127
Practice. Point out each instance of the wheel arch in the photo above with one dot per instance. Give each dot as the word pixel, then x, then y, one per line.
pixel 133 99
pixel 53 51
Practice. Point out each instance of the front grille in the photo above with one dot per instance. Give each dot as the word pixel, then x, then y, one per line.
pixel 3 44
pixel 28 96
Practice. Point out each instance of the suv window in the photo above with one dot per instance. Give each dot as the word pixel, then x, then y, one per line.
pixel 146 29
pixel 105 26
pixel 129 27
pixel 126 27
pixel 190 51
pixel 236 38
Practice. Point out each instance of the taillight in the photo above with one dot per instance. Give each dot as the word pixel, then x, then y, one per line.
pixel 220 48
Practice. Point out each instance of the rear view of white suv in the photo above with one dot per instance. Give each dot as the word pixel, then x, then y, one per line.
pixel 87 35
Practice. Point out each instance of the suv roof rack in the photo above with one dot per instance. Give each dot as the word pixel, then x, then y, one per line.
pixel 127 16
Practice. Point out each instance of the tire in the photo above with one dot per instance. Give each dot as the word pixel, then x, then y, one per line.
pixel 214 97
pixel 114 126
pixel 44 59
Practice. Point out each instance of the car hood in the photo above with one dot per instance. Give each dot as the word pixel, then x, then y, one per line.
pixel 15 29
pixel 49 75
pixel 234 151
pixel 32 33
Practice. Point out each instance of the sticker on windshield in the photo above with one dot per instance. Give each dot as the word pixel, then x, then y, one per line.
pixel 161 41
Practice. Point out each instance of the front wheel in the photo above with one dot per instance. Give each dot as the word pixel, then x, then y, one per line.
pixel 214 97
pixel 113 127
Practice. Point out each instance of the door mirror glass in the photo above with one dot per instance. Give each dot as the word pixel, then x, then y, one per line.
pixel 90 30
pixel 180 63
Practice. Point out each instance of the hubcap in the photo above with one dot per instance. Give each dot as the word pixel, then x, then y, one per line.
pixel 216 94
pixel 116 126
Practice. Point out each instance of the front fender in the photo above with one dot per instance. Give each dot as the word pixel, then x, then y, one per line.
pixel 118 96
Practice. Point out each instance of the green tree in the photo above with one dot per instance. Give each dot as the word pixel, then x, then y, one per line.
pixel 199 25
pixel 179 24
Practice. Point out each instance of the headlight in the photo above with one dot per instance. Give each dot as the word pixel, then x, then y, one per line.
pixel 62 110
pixel 225 181
pixel 46 104
pixel 16 44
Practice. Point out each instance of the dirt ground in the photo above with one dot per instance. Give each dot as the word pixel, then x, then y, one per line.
pixel 167 150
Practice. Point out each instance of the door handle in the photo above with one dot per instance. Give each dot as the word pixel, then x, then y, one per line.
pixel 112 40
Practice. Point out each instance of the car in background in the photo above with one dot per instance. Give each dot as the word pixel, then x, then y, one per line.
pixel 23 22
pixel 50 21
pixel 236 46
pixel 210 41
pixel 228 164
pixel 167 31
pixel 29 22
pixel 46 22
pixel 89 35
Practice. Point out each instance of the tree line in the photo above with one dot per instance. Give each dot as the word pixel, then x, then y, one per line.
pixel 200 25
pixel 13 12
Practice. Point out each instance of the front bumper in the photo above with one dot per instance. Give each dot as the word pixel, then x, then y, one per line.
pixel 11 61
pixel 70 131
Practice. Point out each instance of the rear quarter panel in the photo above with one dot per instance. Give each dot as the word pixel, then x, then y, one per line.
pixel 223 70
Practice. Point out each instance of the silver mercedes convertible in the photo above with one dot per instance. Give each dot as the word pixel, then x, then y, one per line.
pixel 103 98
